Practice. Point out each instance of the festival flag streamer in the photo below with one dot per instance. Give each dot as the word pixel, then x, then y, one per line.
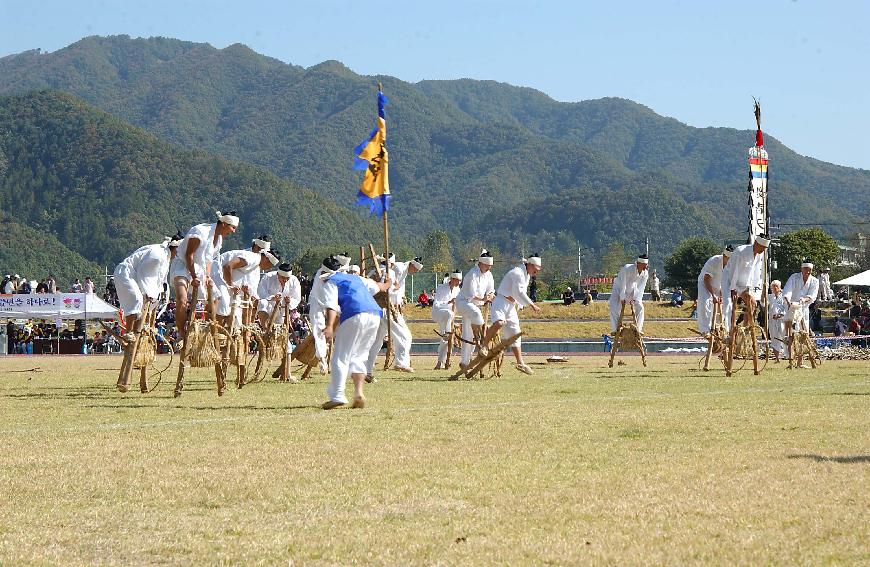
pixel 371 155
pixel 758 176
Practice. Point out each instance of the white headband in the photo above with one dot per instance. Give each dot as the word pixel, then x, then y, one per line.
pixel 353 269
pixel 642 261
pixel 456 275
pixel 272 258
pixel 534 260
pixel 807 265
pixel 417 264
pixel 262 244
pixel 726 253
pixel 343 260
pixel 762 241
pixel 228 219
pixel 286 274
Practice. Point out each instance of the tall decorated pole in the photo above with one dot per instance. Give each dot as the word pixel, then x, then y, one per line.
pixel 372 157
pixel 759 215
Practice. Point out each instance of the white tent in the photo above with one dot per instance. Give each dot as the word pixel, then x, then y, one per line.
pixel 55 306
pixel 858 279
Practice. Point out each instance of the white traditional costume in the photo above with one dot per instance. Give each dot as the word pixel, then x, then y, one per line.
pixel 512 296
pixel 777 310
pixel 270 286
pixel 713 267
pixel 476 286
pixel 141 274
pixel 443 313
pixel 825 291
pixel 207 252
pixel 247 275
pixel 797 290
pixel 628 286
pixel 399 332
pixel 745 271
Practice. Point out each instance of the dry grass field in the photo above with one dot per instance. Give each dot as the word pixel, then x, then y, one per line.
pixel 578 464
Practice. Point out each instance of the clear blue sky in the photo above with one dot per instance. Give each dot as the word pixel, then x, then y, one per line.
pixel 699 62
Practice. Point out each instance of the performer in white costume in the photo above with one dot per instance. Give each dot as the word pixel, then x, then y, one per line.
pixel 478 287
pixel 746 274
pixel 281 283
pixel 316 315
pixel 710 288
pixel 511 297
pixel 443 312
pixel 802 288
pixel 192 265
pixel 777 309
pixel 825 291
pixel 142 275
pixel 239 270
pixel 399 332
pixel 628 288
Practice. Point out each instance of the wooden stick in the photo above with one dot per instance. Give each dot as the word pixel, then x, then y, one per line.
pixel 615 345
pixel 242 356
pixel 285 366
pixel 716 310
pixel 185 348
pixel 148 328
pixel 132 347
pixel 640 345
pixel 362 261
pixel 751 322
pixel 218 367
pixel 478 363
pixel 732 340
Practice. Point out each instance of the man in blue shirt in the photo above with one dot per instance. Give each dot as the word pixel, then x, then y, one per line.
pixel 348 303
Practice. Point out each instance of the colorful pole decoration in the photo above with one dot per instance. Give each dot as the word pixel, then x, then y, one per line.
pixel 759 215
pixel 758 175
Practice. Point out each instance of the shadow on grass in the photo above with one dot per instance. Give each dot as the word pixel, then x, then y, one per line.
pixel 849 459
pixel 200 408
pixel 850 393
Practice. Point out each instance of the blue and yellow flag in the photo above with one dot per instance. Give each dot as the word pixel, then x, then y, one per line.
pixel 371 156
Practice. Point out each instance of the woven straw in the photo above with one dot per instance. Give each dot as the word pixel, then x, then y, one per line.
pixel 306 353
pixel 201 349
pixel 146 352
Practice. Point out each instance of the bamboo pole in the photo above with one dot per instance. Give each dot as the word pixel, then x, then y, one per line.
pixel 219 366
pixel 182 358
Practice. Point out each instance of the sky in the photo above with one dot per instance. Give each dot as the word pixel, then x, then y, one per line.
pixel 700 62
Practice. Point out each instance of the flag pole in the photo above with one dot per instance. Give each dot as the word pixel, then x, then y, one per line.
pixel 389 309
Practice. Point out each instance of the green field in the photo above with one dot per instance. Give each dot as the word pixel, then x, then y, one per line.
pixel 577 464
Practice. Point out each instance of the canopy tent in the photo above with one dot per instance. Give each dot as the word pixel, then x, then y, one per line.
pixel 55 306
pixel 858 279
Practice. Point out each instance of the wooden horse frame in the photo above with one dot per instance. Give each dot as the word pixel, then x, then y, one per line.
pixel 731 345
pixel 717 336
pixel 799 344
pixel 480 361
pixel 184 357
pixel 620 331
pixel 143 325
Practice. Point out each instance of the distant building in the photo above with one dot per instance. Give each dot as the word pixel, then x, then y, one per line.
pixel 853 256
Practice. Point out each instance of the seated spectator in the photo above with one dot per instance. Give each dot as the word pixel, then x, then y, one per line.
pixel 677 299
pixel 24 286
pixel 587 296
pixel 423 299
pixel 42 287
pixel 76 287
pixel 568 296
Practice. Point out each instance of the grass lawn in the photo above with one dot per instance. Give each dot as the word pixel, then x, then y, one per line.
pixel 577 464
pixel 595 310
pixel 575 329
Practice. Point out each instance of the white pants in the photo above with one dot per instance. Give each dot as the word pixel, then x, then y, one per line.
pixel 471 317
pixel 129 294
pixel 776 330
pixel 317 320
pixel 506 311
pixel 727 307
pixel 443 317
pixel 401 336
pixel 616 309
pixel 705 310
pixel 353 341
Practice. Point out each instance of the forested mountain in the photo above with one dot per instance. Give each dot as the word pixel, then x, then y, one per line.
pixel 104 187
pixel 35 254
pixel 462 152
